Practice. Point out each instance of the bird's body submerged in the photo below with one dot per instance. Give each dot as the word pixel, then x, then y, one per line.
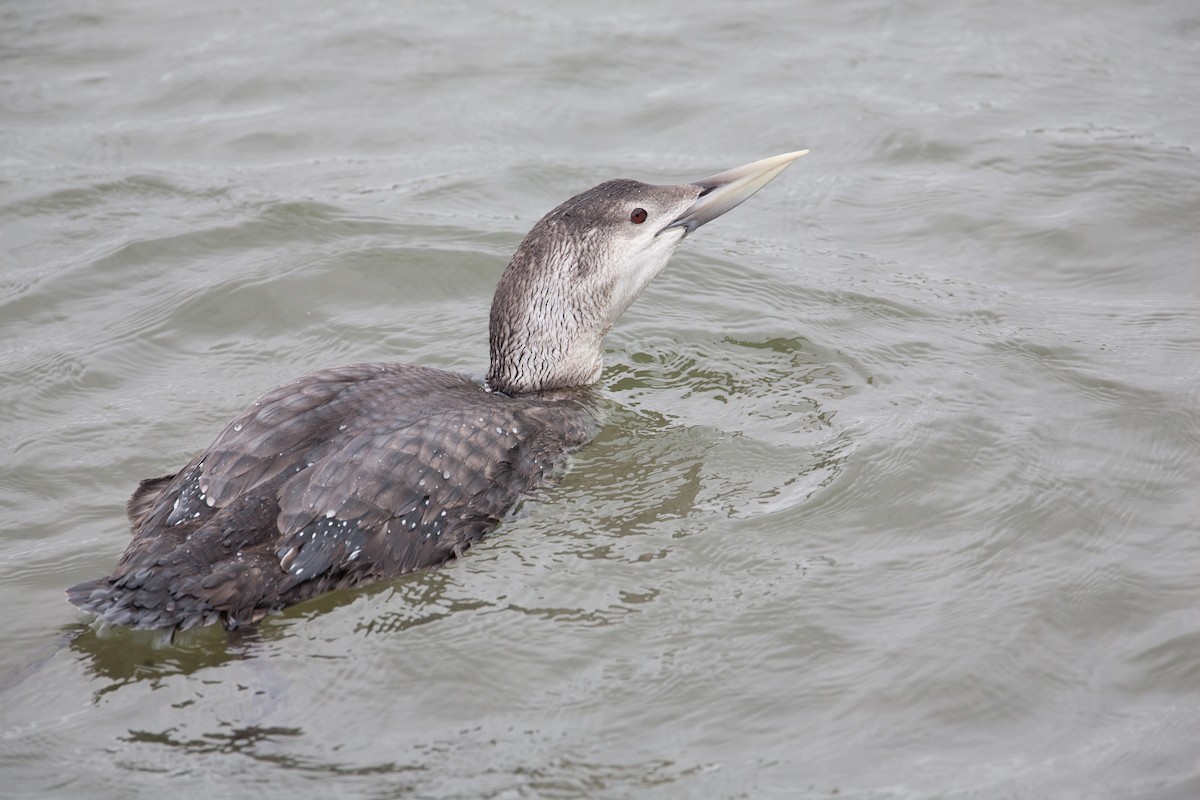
pixel 342 477
pixel 365 472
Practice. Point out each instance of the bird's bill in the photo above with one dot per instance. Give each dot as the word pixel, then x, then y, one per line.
pixel 730 188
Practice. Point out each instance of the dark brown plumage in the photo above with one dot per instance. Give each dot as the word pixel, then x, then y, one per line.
pixel 362 472
pixel 366 472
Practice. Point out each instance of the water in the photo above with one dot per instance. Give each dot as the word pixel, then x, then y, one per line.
pixel 898 493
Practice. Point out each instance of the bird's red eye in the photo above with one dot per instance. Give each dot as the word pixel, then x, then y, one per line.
pixel 638 216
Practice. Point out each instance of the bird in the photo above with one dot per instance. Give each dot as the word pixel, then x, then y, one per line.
pixel 361 473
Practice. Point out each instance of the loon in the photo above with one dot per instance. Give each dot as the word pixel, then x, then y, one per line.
pixel 361 473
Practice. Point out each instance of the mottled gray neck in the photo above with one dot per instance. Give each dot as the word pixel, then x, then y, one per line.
pixel 576 271
pixel 547 322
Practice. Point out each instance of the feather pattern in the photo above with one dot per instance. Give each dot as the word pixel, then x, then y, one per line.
pixel 348 475
pixel 368 471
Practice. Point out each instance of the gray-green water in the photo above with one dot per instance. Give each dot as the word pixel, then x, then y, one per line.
pixel 899 495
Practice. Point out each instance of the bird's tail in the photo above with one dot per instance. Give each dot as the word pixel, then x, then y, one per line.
pixel 136 608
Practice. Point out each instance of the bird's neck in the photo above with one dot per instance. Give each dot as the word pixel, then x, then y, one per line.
pixel 547 323
pixel 539 348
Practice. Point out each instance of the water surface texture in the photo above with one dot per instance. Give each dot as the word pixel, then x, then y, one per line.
pixel 899 490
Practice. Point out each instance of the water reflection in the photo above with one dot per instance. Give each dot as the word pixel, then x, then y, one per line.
pixel 119 657
pixel 243 740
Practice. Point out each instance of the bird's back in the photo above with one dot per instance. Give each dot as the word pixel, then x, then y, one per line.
pixel 348 475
